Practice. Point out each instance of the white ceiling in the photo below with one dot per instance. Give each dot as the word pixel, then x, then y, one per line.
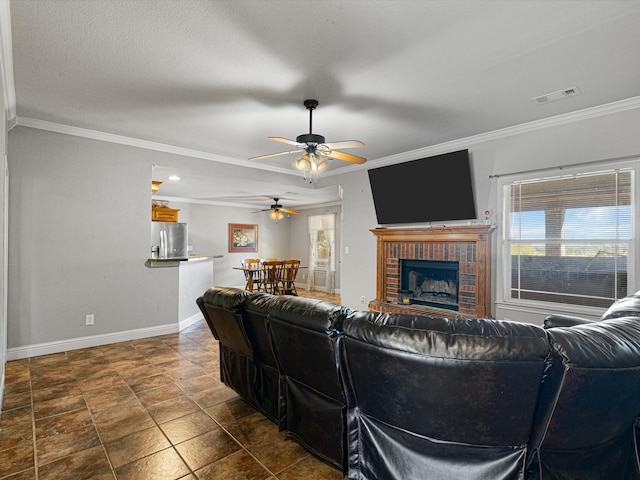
pixel 219 77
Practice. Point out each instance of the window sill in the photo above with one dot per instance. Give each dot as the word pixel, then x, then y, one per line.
pixel 547 308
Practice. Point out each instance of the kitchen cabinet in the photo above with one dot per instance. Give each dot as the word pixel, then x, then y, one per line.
pixel 164 214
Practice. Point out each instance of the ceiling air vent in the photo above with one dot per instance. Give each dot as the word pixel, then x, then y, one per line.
pixel 559 95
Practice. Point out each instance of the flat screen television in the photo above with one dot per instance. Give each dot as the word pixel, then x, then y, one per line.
pixel 433 189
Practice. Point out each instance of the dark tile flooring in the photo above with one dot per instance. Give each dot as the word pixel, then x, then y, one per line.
pixel 152 408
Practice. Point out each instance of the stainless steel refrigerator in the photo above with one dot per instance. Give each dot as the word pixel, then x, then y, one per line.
pixel 171 240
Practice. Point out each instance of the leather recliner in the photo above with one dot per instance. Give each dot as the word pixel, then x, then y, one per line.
pixel 269 386
pixel 440 399
pixel 625 307
pixel 304 333
pixel 592 393
pixel 223 310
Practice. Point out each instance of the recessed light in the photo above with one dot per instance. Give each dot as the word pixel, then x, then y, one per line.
pixel 175 178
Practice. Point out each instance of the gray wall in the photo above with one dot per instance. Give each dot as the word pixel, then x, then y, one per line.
pixel 79 231
pixel 79 223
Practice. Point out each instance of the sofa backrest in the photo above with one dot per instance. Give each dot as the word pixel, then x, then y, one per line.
pixel 302 331
pixel 594 384
pixel 625 307
pixel 222 308
pixel 426 393
pixel 256 311
pixel 431 375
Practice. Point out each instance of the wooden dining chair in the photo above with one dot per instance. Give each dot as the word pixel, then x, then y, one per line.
pixel 252 273
pixel 289 272
pixel 272 276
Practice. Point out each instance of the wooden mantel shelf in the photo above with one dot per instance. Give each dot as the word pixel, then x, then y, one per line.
pixel 434 233
pixel 468 244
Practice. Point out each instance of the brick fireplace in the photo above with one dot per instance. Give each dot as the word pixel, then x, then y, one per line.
pixel 466 247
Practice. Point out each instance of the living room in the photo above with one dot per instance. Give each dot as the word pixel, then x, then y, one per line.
pixel 100 182
pixel 77 199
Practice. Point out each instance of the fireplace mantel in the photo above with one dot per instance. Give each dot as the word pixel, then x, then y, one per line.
pixel 470 245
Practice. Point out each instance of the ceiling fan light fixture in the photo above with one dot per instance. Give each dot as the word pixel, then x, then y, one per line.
pixel 303 163
pixel 320 164
pixel 276 215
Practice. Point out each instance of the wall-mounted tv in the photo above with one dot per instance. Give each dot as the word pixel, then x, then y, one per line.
pixel 433 189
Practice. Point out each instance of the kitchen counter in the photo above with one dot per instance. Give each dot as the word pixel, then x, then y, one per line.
pixel 197 257
pixel 174 262
pixel 193 277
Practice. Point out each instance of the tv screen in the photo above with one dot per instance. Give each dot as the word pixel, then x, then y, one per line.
pixel 433 189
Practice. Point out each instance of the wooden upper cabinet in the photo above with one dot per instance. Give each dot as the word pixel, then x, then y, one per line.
pixel 164 214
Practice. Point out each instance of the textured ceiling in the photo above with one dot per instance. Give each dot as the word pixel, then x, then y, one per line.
pixel 219 77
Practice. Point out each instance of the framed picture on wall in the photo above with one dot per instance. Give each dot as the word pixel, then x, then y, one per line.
pixel 243 237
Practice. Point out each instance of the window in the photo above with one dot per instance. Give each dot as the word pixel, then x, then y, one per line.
pixel 322 248
pixel 569 239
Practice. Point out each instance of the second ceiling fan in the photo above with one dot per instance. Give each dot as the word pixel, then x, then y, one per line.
pixel 278 211
pixel 316 151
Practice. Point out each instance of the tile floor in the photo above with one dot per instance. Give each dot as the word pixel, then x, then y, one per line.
pixel 152 408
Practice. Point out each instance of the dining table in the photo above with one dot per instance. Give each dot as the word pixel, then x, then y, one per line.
pixel 253 276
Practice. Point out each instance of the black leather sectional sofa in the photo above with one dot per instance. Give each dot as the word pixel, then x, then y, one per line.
pixel 387 396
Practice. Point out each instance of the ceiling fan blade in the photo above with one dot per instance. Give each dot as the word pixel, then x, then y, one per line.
pixel 347 157
pixel 288 210
pixel 260 157
pixel 286 140
pixel 344 144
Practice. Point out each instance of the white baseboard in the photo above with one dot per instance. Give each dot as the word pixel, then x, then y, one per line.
pixel 187 322
pixel 48 348
pixel 317 288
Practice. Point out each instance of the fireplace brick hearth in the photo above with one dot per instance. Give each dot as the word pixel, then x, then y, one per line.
pixel 470 246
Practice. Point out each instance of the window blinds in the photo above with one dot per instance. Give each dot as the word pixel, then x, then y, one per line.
pixel 569 238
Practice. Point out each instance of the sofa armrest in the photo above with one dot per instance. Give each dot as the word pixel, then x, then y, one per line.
pixel 557 320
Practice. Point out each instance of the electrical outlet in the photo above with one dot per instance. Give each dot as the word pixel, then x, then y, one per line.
pixel 363 299
pixel 304 276
pixel 89 319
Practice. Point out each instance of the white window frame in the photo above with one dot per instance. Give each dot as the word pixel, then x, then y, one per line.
pixel 503 263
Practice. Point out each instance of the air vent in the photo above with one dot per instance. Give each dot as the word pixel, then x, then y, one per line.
pixel 559 95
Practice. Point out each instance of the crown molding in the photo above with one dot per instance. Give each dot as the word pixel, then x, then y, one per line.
pixel 219 203
pixel 461 143
pixel 139 143
pixel 6 64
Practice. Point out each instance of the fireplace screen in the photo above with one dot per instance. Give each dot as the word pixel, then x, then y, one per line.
pixel 429 282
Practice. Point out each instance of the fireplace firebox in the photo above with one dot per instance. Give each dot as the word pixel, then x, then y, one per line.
pixel 429 282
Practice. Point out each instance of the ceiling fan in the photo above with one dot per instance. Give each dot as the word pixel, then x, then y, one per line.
pixel 316 151
pixel 278 211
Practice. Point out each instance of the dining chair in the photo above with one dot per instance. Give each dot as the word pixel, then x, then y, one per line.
pixel 252 273
pixel 289 272
pixel 271 276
